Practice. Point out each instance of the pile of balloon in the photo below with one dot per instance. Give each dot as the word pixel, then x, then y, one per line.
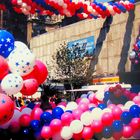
pixel 69 8
pixel 134 55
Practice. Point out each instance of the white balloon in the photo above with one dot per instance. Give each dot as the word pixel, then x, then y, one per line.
pixel 21 61
pixel 99 95
pixel 20 45
pixel 97 113
pixel 26 111
pixel 106 110
pixel 132 55
pixel 128 105
pixel 12 84
pixel 16 116
pixel 76 126
pixel 66 133
pixel 71 106
pixel 86 118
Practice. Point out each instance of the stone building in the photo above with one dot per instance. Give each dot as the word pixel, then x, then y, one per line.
pixel 113 39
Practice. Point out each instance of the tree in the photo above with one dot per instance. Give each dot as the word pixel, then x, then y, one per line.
pixel 71 67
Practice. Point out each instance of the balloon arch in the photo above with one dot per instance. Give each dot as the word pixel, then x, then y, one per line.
pixel 69 8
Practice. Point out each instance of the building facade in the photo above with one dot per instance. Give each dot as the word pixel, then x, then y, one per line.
pixel 113 39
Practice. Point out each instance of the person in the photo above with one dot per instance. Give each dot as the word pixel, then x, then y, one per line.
pixel 31 104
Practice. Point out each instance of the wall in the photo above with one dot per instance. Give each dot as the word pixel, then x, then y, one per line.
pixel 114 39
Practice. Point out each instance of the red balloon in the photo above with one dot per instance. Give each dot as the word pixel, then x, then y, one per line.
pixel 6 108
pixel 117 135
pixel 127 131
pixel 30 86
pixel 14 127
pixel 66 118
pixel 39 73
pixel 36 113
pixel 4 69
pixel 97 126
pixel 25 120
pixel 55 125
pixel 87 133
pixel 107 119
pixel 46 132
pixel 135 123
pixel 116 111
pixel 77 136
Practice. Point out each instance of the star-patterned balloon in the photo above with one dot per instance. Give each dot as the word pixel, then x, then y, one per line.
pixel 6 108
pixel 21 61
pixel 12 84
pixel 6 43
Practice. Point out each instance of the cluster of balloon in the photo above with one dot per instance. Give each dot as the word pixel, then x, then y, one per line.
pixel 83 9
pixel 19 72
pixel 134 55
pixel 88 117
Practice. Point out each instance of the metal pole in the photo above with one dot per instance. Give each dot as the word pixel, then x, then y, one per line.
pixel 1 19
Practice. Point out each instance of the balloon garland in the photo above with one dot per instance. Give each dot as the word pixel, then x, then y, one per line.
pixel 134 55
pixel 68 8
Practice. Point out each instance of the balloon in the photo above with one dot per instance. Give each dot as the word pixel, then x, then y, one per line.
pixel 6 43
pixel 117 126
pixel 107 132
pixel 126 117
pixel 107 119
pixel 77 136
pixel 116 112
pixel 20 45
pixel 35 125
pixel 96 114
pixel 21 62
pixel 14 127
pixel 97 126
pixel 11 84
pixel 87 133
pixel 16 116
pixel 55 125
pixel 71 106
pixel 46 132
pixel 135 123
pixel 137 134
pixel 127 132
pixel 134 111
pixel 30 87
pixel 39 73
pixel 77 114
pixel 26 131
pixel 102 106
pixel 76 126
pixel 25 120
pixel 57 136
pixel 57 112
pixel 66 133
pixel 128 105
pixel 46 117
pixel 84 100
pixel 84 96
pixel 36 113
pixel 4 69
pixel 66 118
pixel 86 118
pixel 132 54
pixel 83 107
pixel 136 100
pixel 107 95
pixel 6 108
pixel 117 135
pixel 26 110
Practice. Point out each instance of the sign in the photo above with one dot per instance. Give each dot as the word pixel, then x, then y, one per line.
pixel 106 80
pixel 82 48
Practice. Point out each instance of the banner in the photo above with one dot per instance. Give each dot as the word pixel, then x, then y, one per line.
pixel 82 48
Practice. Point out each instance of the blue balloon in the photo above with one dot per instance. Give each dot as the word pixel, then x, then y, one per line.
pixel 6 43
pixel 135 111
pixel 91 108
pixel 126 117
pixel 68 111
pixel 57 112
pixel 117 125
pixel 35 125
pixel 102 106
pixel 84 96
pixel 26 131
pixel 46 118
pixel 107 95
pixel 107 132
